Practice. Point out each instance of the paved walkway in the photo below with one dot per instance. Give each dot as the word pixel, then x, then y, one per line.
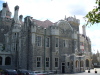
pixel 92 72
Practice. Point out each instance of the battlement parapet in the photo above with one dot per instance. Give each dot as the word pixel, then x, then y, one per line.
pixel 73 20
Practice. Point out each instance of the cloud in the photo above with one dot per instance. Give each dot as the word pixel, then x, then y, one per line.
pixel 93 33
pixel 47 9
pixel 78 10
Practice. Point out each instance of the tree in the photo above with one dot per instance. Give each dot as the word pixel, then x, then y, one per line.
pixel 93 16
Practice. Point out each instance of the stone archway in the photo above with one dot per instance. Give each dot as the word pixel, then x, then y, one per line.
pixel 81 65
pixel 77 65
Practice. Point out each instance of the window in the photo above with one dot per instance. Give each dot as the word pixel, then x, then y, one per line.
pixel 38 61
pixel 7 61
pixel 0 60
pixel 39 40
pixel 15 35
pixel 56 42
pixel 56 62
pixel 47 42
pixel 65 43
pixel 68 64
pixel 47 62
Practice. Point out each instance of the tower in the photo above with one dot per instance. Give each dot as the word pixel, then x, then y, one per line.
pixel 16 9
pixel 20 18
pixel 8 13
pixel 5 22
pixel 84 29
pixel 5 11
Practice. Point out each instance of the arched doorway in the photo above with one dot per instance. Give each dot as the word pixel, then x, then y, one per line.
pixel 81 65
pixel 77 65
pixel 87 63
pixel 0 60
pixel 7 61
pixel 63 67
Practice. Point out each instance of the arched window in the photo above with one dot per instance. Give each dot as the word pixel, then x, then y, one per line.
pixel 7 61
pixel 0 60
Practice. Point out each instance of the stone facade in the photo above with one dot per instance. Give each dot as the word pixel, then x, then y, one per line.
pixel 42 45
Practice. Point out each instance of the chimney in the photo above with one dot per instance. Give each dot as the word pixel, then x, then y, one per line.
pixel 20 18
pixel 3 14
pixel 65 17
pixel 84 29
pixel 16 14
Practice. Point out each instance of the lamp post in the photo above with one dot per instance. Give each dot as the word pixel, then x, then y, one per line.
pixel 44 46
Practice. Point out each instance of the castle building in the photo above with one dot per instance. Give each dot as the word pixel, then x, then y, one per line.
pixel 42 45
pixel 85 48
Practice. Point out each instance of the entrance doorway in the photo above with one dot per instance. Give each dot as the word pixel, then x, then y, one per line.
pixel 87 63
pixel 63 67
pixel 71 66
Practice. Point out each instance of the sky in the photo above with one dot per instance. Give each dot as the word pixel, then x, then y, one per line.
pixel 55 10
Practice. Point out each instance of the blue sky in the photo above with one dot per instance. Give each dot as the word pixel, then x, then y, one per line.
pixel 55 10
pixel 1 4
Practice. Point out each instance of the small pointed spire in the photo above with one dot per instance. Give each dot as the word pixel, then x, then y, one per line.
pixel 7 7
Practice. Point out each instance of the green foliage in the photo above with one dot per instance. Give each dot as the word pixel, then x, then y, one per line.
pixel 93 16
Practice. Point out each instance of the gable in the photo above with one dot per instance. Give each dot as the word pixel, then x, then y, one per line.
pixel 64 25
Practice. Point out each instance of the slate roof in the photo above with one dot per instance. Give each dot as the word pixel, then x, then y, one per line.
pixel 44 24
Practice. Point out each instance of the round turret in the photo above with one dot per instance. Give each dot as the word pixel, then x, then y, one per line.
pixel 4 4
pixel 21 16
pixel 16 7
